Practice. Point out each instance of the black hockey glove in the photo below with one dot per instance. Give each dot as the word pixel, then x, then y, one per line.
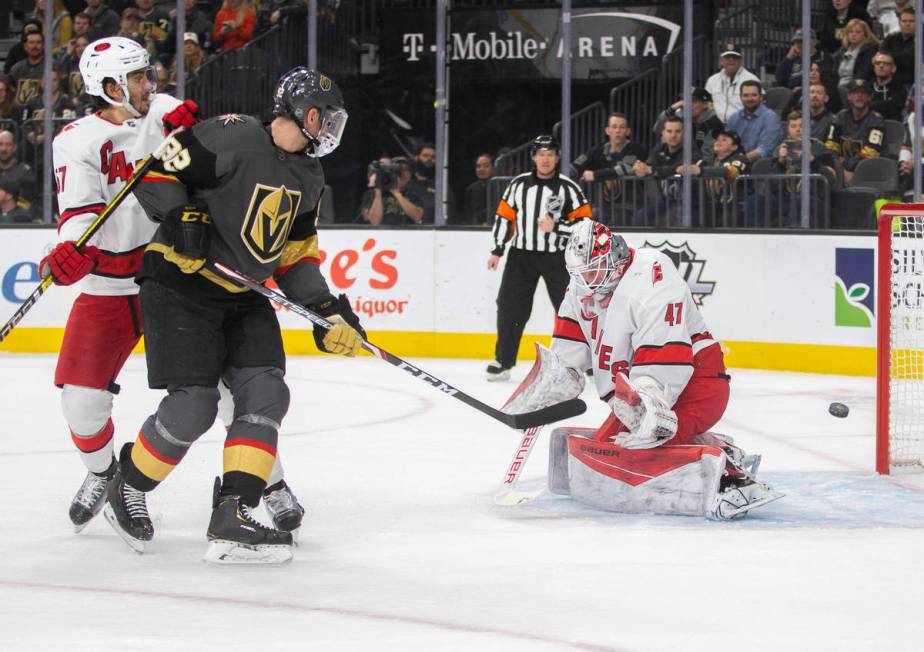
pixel 190 226
pixel 346 336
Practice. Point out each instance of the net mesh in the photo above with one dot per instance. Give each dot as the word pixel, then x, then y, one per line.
pixel 906 327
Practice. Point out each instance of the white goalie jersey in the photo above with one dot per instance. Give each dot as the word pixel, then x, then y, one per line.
pixel 93 159
pixel 648 326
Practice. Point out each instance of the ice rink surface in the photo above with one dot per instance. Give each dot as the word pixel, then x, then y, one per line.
pixel 403 548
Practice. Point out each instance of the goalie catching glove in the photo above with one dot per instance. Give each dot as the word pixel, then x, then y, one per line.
pixel 190 225
pixel 345 336
pixel 642 408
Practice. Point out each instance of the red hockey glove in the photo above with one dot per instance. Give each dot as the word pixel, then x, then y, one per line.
pixel 67 265
pixel 185 115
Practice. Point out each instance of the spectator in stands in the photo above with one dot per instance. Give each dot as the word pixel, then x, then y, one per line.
pixel 785 200
pixel 130 24
pixel 7 100
pixel 858 132
pixel 60 26
pixel 475 209
pixel 234 24
pixel 70 65
pixel 27 73
pixel 10 210
pixel 821 105
pixel 82 23
pixel 901 46
pixel 725 85
pixel 607 164
pixel 889 96
pixel 193 57
pixel 789 70
pixel 884 12
pixel 197 23
pixel 389 200
pixel 17 53
pixel 278 11
pixel 758 126
pixel 729 163
pixel 834 25
pixel 661 166
pixel 154 21
pixel 906 155
pixel 855 59
pixel 11 169
pixel 33 118
pixel 706 123
pixel 423 183
pixel 105 22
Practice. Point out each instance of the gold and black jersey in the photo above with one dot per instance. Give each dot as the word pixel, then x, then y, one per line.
pixel 263 204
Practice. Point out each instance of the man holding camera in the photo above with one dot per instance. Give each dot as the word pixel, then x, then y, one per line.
pixel 389 200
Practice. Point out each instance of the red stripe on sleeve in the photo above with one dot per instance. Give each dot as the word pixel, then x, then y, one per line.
pixel 675 353
pixel 568 329
pixel 282 269
pixel 96 209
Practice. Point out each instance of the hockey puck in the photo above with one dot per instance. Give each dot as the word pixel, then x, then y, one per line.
pixel 838 410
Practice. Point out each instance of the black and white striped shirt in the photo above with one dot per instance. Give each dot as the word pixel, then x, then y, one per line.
pixel 525 200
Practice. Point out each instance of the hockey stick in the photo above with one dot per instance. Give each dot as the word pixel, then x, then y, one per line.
pixel 508 495
pixel 550 414
pixel 89 233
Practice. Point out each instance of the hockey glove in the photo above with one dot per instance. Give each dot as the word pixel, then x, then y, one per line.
pixel 346 336
pixel 184 115
pixel 67 264
pixel 190 226
pixel 642 408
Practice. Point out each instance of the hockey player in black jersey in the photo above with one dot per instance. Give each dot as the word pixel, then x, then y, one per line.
pixel 247 195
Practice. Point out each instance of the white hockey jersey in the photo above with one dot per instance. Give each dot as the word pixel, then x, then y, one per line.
pixel 93 158
pixel 648 326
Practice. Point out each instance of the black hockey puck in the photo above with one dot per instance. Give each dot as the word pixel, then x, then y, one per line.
pixel 838 410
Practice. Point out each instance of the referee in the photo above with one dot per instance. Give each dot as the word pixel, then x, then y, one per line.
pixel 535 215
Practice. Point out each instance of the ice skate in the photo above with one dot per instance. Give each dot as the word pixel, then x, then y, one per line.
pixel 127 513
pixel 236 537
pixel 283 507
pixel 497 372
pixel 90 498
pixel 739 495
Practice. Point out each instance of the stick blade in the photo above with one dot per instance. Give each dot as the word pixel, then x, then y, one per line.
pixel 564 410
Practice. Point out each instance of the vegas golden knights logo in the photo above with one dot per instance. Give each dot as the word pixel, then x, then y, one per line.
pixel 269 219
pixel 26 90
pixel 324 82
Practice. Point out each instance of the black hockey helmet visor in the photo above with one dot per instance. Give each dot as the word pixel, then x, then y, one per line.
pixel 300 90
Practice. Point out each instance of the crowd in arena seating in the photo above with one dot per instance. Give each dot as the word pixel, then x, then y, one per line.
pixel 211 27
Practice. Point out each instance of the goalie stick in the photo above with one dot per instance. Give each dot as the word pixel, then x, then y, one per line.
pixel 550 414
pixel 508 496
pixel 97 224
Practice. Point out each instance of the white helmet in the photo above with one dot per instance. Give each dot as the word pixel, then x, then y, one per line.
pixel 596 258
pixel 114 58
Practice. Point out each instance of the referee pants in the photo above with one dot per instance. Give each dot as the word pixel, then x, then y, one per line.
pixel 515 297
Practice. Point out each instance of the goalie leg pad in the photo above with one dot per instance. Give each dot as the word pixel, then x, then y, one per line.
pixel 682 480
pixel 558 458
pixel 547 383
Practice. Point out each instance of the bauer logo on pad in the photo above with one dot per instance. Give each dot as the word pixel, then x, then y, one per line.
pixel 854 289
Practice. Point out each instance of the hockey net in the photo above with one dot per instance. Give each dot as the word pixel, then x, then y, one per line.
pixel 900 340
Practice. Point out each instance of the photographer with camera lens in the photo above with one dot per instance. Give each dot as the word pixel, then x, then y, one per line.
pixel 389 200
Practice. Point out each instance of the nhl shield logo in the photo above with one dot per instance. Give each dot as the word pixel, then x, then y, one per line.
pixel 269 219
pixel 689 266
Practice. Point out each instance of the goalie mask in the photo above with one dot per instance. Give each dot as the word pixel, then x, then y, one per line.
pixel 115 58
pixel 595 257
pixel 301 90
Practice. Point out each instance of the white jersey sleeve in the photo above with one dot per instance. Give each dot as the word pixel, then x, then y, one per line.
pixel 568 340
pixel 81 197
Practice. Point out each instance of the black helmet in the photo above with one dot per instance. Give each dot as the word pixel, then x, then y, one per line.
pixel 545 141
pixel 302 89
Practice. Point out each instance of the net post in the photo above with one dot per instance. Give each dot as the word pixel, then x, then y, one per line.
pixel 883 339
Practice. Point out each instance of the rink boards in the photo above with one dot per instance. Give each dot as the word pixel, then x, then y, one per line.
pixel 803 302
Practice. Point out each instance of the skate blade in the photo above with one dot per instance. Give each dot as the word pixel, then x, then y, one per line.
pixel 79 528
pixel 135 544
pixel 221 551
pixel 742 511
